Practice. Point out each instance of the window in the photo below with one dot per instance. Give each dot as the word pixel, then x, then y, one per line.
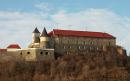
pixel 80 42
pixel 109 43
pixel 46 53
pixel 64 47
pixel 21 53
pixel 28 52
pixel 90 48
pixel 84 47
pixel 41 53
pixel 79 47
pixel 92 43
pixel 97 48
pixel 84 42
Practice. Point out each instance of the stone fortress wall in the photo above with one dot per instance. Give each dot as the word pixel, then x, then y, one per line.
pixel 38 50
pixel 32 54
pixel 45 46
pixel 64 44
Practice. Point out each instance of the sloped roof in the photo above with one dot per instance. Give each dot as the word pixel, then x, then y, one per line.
pixel 3 50
pixel 44 33
pixel 16 46
pixel 57 32
pixel 36 30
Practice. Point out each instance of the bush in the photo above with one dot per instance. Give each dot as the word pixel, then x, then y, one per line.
pixel 68 68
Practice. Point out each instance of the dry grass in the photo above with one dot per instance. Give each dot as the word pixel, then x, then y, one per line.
pixel 89 67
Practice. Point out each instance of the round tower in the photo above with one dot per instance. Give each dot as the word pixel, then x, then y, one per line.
pixel 35 36
pixel 44 39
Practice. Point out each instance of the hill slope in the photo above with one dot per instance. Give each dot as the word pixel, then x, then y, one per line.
pixel 99 66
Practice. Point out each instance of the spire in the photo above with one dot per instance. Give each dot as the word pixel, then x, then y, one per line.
pixel 44 33
pixel 36 30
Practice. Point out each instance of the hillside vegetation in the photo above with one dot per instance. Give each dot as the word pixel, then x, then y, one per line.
pixel 100 66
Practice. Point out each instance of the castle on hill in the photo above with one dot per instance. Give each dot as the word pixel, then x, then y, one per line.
pixel 48 46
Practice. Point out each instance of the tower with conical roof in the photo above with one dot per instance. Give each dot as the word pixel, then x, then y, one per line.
pixel 35 36
pixel 44 39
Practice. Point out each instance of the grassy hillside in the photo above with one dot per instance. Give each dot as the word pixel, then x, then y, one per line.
pixel 102 66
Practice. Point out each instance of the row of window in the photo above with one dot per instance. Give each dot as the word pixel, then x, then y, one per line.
pixel 82 47
pixel 84 53
pixel 46 53
pixel 84 42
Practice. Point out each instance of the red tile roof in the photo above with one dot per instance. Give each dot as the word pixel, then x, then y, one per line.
pixel 3 50
pixel 16 46
pixel 57 32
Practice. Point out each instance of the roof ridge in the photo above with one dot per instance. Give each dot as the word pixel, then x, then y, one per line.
pixel 81 33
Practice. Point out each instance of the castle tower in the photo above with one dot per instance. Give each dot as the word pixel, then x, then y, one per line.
pixel 44 39
pixel 35 36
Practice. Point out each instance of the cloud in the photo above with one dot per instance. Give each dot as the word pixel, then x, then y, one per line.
pixel 96 20
pixel 43 6
pixel 16 27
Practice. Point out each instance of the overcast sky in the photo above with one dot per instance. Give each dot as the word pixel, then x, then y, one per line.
pixel 18 18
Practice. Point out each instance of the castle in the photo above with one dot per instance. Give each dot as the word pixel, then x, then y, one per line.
pixel 47 46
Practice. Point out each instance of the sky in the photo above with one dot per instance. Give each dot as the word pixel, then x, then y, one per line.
pixel 18 18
